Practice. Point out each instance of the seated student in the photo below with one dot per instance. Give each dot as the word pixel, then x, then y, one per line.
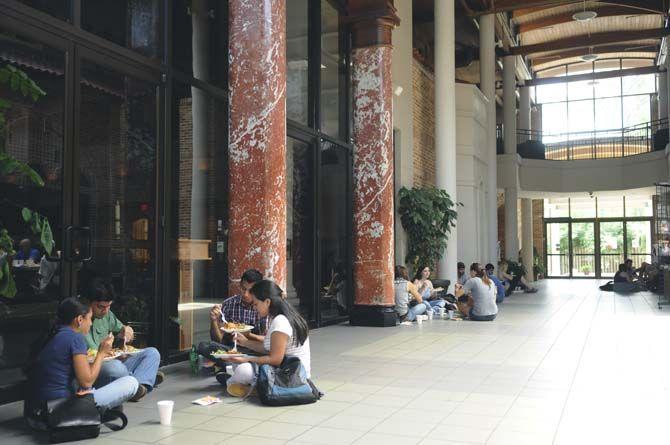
pixel 500 288
pixel 632 272
pixel 477 299
pixel 511 282
pixel 409 303
pixel 462 276
pixel 238 308
pixel 62 367
pixel 622 275
pixel 143 365
pixel 288 335
pixel 429 294
pixel 649 275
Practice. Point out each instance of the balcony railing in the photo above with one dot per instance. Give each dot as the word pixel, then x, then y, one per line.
pixel 601 144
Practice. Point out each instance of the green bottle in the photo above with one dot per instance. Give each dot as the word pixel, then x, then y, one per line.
pixel 193 360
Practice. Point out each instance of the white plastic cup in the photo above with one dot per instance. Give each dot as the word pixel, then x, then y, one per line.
pixel 419 319
pixel 165 411
pixel 450 315
pixel 442 311
pixel 430 315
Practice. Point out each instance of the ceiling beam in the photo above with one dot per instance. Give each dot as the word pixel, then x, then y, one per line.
pixel 651 6
pixel 605 49
pixel 594 76
pixel 566 17
pixel 586 41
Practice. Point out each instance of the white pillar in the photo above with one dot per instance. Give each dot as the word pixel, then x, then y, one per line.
pixel 524 110
pixel 509 103
pixel 445 120
pixel 511 224
pixel 527 236
pixel 487 72
pixel 662 95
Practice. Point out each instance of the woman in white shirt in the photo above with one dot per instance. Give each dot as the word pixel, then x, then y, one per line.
pixel 287 335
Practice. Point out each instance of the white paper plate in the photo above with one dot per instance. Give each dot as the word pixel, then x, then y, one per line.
pixel 247 328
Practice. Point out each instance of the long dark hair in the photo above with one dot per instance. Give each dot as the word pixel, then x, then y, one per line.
pixel 419 273
pixel 481 273
pixel 268 290
pixel 68 310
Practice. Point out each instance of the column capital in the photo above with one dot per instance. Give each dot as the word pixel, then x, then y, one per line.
pixel 372 22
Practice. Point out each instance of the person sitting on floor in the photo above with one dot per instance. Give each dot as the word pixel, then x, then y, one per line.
pixel 511 282
pixel 409 303
pixel 622 275
pixel 62 367
pixel 143 365
pixel 477 299
pixel 462 276
pixel 500 288
pixel 632 272
pixel 287 335
pixel 429 294
pixel 238 308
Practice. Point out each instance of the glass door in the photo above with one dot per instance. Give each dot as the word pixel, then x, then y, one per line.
pixel 33 141
pixel 611 235
pixel 558 249
pixel 638 242
pixel 583 249
pixel 114 236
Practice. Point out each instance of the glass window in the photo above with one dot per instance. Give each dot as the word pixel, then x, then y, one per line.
pixel 61 9
pixel 555 118
pixel 556 208
pixel 199 45
pixel 580 90
pixel 645 83
pixel 297 57
pixel 610 206
pixel 636 110
pixel 134 24
pixel 198 268
pixel 580 117
pixel 639 206
pixel 32 135
pixel 582 208
pixel 554 92
pixel 608 115
pixel 607 87
pixel 551 72
pixel 333 72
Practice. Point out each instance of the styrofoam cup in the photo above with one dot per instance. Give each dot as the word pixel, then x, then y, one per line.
pixel 430 315
pixel 450 314
pixel 419 319
pixel 442 311
pixel 165 411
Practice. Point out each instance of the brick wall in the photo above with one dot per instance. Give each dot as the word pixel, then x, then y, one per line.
pixel 538 224
pixel 424 125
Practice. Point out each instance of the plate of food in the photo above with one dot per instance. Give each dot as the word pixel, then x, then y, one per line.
pixel 231 326
pixel 92 353
pixel 223 354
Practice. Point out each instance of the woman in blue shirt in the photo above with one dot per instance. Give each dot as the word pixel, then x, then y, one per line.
pixel 62 367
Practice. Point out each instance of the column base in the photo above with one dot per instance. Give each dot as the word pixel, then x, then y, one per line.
pixel 374 316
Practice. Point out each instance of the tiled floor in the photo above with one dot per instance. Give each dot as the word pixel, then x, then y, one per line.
pixel 568 365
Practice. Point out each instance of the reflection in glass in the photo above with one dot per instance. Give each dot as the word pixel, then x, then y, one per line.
pixel 134 24
pixel 199 39
pixel 554 92
pixel 580 90
pixel 638 242
pixel 556 208
pixel 638 206
pixel 198 272
pixel 333 71
pixel 583 249
pixel 558 245
pixel 582 207
pixel 61 9
pixel 611 247
pixel 117 189
pixel 636 110
pixel 610 206
pixel 32 134
pixel 297 57
pixel 335 276
pixel 300 226
pixel 641 84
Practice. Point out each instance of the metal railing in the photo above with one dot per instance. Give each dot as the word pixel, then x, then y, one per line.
pixel 601 144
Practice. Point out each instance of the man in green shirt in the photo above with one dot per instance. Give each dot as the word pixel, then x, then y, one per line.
pixel 142 365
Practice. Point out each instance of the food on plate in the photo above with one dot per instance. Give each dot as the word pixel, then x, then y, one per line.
pixel 224 352
pixel 233 325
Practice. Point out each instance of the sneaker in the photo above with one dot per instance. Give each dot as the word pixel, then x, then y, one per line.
pixel 221 377
pixel 160 378
pixel 141 392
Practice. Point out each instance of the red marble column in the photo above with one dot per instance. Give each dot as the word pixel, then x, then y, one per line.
pixel 257 147
pixel 373 168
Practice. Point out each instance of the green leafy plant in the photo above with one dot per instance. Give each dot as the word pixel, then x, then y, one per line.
pixel 427 214
pixel 538 267
pixel 19 83
pixel 516 268
pixel 586 269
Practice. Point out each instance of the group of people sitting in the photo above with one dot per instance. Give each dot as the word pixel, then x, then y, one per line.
pixel 72 358
pixel 278 331
pixel 477 293
pixel 629 279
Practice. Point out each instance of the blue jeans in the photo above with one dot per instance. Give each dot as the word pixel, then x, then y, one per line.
pixel 116 392
pixel 437 304
pixel 143 366
pixel 416 310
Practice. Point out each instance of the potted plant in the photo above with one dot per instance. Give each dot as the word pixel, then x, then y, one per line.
pixel 427 214
pixel 586 269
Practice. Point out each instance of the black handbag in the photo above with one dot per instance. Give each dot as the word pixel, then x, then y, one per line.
pixel 72 418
